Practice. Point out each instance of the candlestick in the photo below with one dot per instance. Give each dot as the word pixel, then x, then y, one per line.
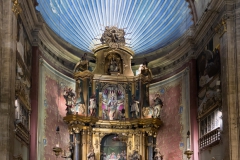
pixel 188 141
pixel 188 152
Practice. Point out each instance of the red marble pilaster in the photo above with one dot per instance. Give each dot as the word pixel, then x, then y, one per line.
pixel 34 103
pixel 193 108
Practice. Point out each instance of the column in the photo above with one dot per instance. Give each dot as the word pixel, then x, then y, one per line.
pixel 34 103
pixel 193 108
pixel 84 144
pixel 142 150
pixel 150 147
pixel 76 154
pixel 71 136
pixel 8 36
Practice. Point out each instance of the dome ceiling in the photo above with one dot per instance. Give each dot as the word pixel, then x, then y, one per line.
pixel 149 24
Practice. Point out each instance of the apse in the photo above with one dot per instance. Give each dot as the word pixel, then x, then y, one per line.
pixel 149 24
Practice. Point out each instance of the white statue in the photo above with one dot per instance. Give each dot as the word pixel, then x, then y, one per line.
pixel 92 107
pixel 134 108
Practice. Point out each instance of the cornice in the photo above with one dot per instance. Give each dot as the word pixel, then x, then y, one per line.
pixel 55 62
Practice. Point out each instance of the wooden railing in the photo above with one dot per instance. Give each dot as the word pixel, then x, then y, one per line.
pixel 210 139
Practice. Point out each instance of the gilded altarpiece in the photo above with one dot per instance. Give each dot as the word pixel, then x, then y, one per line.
pixel 118 121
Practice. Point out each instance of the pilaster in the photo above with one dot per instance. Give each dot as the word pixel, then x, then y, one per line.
pixel 8 35
pixel 230 60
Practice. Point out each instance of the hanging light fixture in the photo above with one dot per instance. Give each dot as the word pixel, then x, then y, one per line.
pixel 57 149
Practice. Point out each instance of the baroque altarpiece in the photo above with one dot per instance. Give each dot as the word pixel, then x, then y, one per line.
pixel 108 114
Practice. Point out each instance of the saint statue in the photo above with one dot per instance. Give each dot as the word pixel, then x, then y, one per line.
pixel 69 97
pixel 134 108
pixel 157 106
pixel 92 107
pixel 135 155
pixel 79 104
pixel 91 154
pixel 157 155
pixel 67 154
pixel 82 65
pixel 113 67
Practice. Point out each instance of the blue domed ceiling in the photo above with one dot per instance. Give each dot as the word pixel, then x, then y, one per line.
pixel 149 24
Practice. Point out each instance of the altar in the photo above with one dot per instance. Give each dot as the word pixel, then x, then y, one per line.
pixel 108 115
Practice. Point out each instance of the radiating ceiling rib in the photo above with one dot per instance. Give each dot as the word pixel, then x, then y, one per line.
pixel 139 19
pixel 152 31
pixel 159 35
pixel 82 30
pixel 152 23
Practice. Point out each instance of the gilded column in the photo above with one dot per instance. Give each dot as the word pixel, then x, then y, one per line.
pixel 96 145
pixel 100 105
pixel 89 140
pixel 143 146
pixel 126 106
pixel 84 144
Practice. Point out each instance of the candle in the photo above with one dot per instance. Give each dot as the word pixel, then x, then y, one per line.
pixel 188 141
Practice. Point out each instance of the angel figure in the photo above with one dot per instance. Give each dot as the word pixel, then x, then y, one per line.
pixel 82 65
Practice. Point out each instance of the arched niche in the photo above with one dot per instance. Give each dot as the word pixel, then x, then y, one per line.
pixel 113 149
pixel 113 64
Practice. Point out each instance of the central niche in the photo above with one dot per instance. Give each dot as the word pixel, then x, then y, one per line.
pixel 112 149
pixel 113 102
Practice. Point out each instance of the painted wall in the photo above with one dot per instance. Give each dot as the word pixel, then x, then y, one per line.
pixel 51 111
pixel 174 92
